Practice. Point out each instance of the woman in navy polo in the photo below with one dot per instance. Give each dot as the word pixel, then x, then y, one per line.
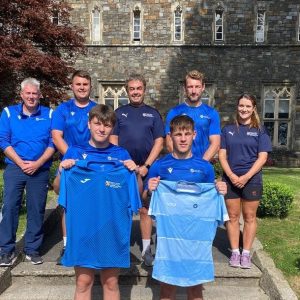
pixel 244 150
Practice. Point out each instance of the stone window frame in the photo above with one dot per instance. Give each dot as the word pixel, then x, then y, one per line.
pixel 177 8
pixel 298 28
pixel 114 91
pixel 96 8
pixel 55 18
pixel 137 8
pixel 260 26
pixel 208 95
pixel 219 10
pixel 278 93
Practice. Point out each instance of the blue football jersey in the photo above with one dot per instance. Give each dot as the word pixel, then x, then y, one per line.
pixel 187 216
pixel 99 203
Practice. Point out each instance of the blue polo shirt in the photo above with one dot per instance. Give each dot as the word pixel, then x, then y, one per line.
pixel 137 128
pixel 72 121
pixel 207 123
pixel 30 135
pixel 242 145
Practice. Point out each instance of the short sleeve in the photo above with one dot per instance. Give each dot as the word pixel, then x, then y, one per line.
pixel 116 130
pixel 215 127
pixel 58 119
pixel 223 138
pixel 171 114
pixel 158 130
pixel 5 129
pixel 264 142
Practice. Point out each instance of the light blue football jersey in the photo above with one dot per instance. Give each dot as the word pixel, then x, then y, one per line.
pixel 187 216
pixel 99 203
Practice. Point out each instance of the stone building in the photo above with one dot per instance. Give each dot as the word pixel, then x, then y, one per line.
pixel 242 45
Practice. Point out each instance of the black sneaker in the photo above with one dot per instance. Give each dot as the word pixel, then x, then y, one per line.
pixel 6 259
pixel 62 252
pixel 35 259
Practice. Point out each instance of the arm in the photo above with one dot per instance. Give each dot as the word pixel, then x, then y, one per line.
pixel 213 148
pixel 114 139
pixel 12 155
pixel 156 149
pixel 59 142
pixel 56 183
pixel 152 186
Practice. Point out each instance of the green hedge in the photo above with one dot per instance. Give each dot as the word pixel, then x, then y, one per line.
pixel 276 201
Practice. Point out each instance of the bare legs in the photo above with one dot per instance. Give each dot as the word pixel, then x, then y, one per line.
pixel 168 292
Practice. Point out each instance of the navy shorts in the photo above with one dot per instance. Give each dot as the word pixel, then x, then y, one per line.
pixel 248 192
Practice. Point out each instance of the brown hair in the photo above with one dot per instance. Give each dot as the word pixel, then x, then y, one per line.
pixel 182 122
pixel 103 113
pixel 82 74
pixel 137 77
pixel 255 121
pixel 194 74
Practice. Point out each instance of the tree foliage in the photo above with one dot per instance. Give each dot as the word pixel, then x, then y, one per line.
pixel 33 42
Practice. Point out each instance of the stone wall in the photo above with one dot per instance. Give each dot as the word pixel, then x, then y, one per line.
pixel 235 65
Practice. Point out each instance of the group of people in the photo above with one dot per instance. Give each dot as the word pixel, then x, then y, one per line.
pixel 111 169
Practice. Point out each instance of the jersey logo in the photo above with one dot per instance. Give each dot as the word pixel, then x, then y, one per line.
pixel 252 133
pixel 195 171
pixel 147 115
pixel 170 170
pixel 125 115
pixel 84 156
pixel 111 184
pixel 40 119
pixel 72 113
pixel 204 117
pixel 19 117
pixel 112 158
pixel 231 133
pixel 85 180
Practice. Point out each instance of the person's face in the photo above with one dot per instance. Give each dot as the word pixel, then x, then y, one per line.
pixel 100 132
pixel 81 88
pixel 193 90
pixel 136 92
pixel 31 97
pixel 245 110
pixel 182 142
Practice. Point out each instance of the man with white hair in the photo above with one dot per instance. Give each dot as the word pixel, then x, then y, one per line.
pixel 25 139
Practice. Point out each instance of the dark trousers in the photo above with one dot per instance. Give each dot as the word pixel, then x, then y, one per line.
pixel 15 181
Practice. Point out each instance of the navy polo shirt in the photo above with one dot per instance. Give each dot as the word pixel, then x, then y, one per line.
pixel 30 135
pixel 242 145
pixel 137 128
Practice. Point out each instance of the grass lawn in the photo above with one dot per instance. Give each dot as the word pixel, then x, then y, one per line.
pixel 281 237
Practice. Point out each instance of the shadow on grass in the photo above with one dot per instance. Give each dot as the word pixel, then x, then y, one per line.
pixel 297 263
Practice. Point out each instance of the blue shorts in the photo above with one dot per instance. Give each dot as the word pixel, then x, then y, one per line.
pixel 248 192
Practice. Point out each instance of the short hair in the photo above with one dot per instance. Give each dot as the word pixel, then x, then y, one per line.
pixel 103 113
pixel 194 74
pixel 82 74
pixel 30 81
pixel 182 122
pixel 255 120
pixel 137 77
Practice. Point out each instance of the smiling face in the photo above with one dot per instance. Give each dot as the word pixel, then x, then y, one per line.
pixel 81 88
pixel 193 90
pixel 31 98
pixel 245 111
pixel 182 142
pixel 136 92
pixel 100 133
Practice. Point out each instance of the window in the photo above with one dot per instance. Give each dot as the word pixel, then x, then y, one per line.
pixel 219 36
pixel 277 113
pixel 114 95
pixel 298 30
pixel 55 17
pixel 95 26
pixel 178 24
pixel 260 27
pixel 137 24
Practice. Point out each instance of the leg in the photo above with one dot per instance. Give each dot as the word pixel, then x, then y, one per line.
pixel 36 196
pixel 195 292
pixel 14 183
pixel 233 225
pixel 249 209
pixel 167 291
pixel 110 285
pixel 84 283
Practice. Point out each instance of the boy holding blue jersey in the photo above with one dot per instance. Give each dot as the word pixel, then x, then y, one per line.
pixel 180 165
pixel 98 151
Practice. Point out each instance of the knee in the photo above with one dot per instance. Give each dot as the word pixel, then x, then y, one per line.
pixel 234 217
pixel 144 212
pixel 111 284
pixel 84 284
pixel 249 218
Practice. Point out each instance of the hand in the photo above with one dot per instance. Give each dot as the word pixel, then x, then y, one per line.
pixel 66 164
pixel 242 181
pixel 153 183
pixel 30 167
pixel 143 171
pixel 221 187
pixel 130 165
pixel 234 179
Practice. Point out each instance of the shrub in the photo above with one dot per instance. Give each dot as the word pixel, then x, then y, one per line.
pixel 276 200
pixel 217 167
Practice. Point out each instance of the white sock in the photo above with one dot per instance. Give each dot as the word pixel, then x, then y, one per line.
pixel 65 241
pixel 235 250
pixel 146 244
pixel 246 252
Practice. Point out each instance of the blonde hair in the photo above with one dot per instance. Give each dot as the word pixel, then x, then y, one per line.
pixel 194 74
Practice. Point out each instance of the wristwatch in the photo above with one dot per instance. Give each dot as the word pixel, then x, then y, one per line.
pixel 147 166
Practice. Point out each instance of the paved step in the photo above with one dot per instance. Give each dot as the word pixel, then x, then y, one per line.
pixel 21 291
